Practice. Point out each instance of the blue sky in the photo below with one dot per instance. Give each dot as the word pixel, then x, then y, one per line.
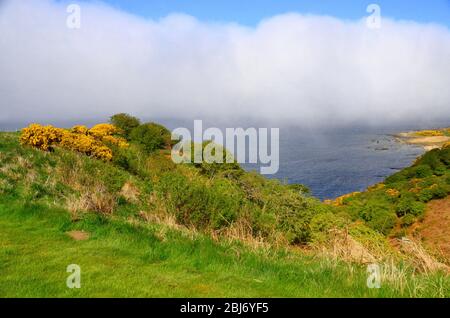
pixel 250 12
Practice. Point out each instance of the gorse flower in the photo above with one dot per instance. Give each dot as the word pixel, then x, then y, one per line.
pixel 80 129
pixel 41 137
pixel 102 130
pixel 92 142
pixel 117 141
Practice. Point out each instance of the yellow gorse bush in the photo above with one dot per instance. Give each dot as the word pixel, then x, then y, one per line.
pixel 430 133
pixel 92 142
pixel 393 192
pixel 339 201
pixel 103 130
pixel 375 187
pixel 87 145
pixel 80 129
pixel 118 141
pixel 41 137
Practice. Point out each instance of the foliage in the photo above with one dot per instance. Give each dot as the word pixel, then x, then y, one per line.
pixel 323 223
pixel 379 215
pixel 102 130
pixel 196 205
pixel 409 206
pixel 151 137
pixel 300 188
pixel 408 220
pixel 435 191
pixel 86 145
pixel 80 129
pixel 427 179
pixel 41 137
pixel 125 122
pixel 227 168
pixel 92 142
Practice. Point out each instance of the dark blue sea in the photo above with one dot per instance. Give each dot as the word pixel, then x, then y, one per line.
pixel 337 162
pixel 330 162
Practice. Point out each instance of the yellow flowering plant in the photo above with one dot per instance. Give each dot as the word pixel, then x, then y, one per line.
pixel 101 130
pixel 92 142
pixel 41 137
pixel 80 129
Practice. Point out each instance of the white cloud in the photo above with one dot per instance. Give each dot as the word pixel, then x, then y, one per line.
pixel 305 69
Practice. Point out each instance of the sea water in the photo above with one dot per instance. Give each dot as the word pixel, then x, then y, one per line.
pixel 340 161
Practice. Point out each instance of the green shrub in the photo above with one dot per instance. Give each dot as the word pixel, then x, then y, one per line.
pixel 300 188
pixel 151 137
pixel 430 158
pixel 425 195
pixel 436 191
pixel 125 122
pixel 422 171
pixel 263 223
pixel 408 206
pixel 444 155
pixel 228 168
pixel 379 216
pixel 294 214
pixel 396 178
pixel 196 205
pixel 440 191
pixel 440 170
pixel 322 223
pixel 408 220
pixel 418 171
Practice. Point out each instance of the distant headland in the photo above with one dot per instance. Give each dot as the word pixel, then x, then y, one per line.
pixel 428 139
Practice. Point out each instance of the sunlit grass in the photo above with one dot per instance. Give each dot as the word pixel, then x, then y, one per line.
pixel 121 260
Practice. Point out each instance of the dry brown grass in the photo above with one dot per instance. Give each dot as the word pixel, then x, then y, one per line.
pixel 159 214
pixel 420 259
pixel 97 200
pixel 167 222
pixel 161 218
pixel 241 230
pixel 342 246
pixel 89 193
pixel 130 192
pixel 434 230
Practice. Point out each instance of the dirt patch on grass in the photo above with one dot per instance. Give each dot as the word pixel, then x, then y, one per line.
pixel 79 235
pixel 435 228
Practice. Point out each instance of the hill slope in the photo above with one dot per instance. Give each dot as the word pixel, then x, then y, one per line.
pixel 155 229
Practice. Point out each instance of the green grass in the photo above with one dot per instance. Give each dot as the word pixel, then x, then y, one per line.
pixel 122 260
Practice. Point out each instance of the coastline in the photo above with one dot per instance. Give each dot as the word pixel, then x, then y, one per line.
pixel 428 139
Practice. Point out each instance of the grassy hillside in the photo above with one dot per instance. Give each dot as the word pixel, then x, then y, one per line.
pixel 124 260
pixel 153 228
